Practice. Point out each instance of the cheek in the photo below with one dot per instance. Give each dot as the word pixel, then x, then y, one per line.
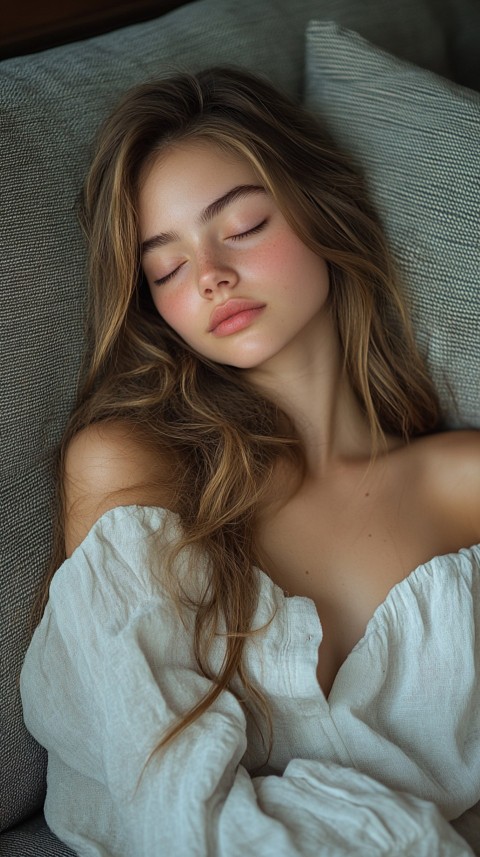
pixel 174 307
pixel 288 261
pixel 272 258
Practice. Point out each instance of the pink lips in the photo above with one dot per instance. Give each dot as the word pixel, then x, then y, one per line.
pixel 232 307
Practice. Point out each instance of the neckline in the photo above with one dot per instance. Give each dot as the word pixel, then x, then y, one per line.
pixel 421 569
pixel 305 599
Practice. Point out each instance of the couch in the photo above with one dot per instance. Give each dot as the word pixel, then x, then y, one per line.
pixel 397 82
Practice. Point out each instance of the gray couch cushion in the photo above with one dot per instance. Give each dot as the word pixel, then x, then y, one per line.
pixel 51 104
pixel 32 839
pixel 416 136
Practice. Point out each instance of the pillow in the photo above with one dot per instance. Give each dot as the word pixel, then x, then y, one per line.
pixel 416 138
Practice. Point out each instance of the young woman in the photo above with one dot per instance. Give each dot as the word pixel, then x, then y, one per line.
pixel 263 638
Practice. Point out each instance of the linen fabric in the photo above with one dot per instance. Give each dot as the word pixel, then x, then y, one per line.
pixel 415 136
pixel 51 105
pixel 111 667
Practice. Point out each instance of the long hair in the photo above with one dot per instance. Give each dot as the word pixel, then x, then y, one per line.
pixel 225 437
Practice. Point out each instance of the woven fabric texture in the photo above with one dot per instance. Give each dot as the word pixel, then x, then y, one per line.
pixel 32 839
pixel 415 135
pixel 51 104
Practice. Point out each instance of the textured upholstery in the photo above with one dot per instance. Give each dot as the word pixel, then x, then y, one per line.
pixel 32 839
pixel 416 136
pixel 51 104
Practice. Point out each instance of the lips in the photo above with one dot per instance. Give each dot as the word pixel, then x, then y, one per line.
pixel 230 308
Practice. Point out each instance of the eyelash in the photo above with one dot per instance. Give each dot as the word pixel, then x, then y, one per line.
pixel 165 279
pixel 252 231
pixel 238 237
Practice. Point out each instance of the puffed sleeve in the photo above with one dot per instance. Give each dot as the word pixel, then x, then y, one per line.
pixel 110 668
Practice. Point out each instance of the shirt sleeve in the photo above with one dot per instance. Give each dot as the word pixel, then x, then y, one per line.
pixel 109 669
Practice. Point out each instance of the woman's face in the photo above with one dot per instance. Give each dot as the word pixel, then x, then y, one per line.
pixel 225 269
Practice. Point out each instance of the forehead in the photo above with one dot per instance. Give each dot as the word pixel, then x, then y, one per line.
pixel 191 173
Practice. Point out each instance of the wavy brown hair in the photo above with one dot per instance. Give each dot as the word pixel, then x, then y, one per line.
pixel 224 436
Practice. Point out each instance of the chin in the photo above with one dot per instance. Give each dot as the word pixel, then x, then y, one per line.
pixel 247 362
pixel 249 359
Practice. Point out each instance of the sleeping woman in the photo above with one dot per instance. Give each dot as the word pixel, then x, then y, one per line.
pixel 262 633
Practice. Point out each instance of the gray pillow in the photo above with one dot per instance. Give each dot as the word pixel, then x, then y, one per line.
pixel 416 137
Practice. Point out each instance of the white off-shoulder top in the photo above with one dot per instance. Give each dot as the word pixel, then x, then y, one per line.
pixel 378 768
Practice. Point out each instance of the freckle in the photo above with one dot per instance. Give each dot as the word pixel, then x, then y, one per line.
pixel 367 494
pixel 306 571
pixel 369 535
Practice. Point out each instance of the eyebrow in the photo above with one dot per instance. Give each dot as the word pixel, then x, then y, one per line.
pixel 208 213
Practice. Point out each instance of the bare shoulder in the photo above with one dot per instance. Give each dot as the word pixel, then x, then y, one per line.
pixel 450 464
pixel 452 454
pixel 110 464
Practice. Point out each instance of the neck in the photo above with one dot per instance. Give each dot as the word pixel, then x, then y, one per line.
pixel 309 382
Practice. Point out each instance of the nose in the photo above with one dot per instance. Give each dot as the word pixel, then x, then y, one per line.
pixel 215 273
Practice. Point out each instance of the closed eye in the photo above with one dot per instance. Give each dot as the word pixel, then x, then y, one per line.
pixel 252 231
pixel 167 277
pixel 162 280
